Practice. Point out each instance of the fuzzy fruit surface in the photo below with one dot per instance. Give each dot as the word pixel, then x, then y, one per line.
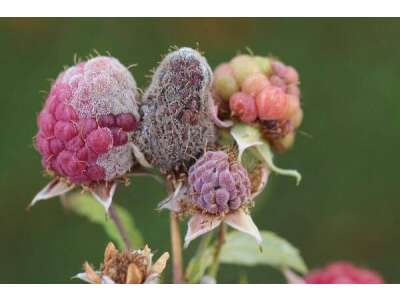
pixel 176 123
pixel 87 121
pixel 217 184
pixel 343 272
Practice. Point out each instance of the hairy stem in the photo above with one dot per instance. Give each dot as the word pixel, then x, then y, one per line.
pixel 120 227
pixel 176 249
pixel 215 264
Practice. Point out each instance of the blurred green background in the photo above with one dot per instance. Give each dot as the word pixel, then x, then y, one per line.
pixel 347 206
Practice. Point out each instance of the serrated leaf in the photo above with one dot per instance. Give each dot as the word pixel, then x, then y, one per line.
pixel 241 249
pixel 247 136
pixel 86 206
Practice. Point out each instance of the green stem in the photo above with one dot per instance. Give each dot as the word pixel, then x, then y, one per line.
pixel 213 272
pixel 120 227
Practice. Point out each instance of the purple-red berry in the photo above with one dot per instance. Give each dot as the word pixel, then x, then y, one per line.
pixel 219 185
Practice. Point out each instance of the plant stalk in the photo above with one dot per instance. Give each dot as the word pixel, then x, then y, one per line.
pixel 176 244
pixel 120 227
pixel 221 240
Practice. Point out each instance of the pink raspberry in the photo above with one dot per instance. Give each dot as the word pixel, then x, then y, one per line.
pixel 343 272
pixel 87 122
pixel 243 106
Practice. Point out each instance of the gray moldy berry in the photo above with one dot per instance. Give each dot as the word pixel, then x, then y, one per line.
pixel 176 122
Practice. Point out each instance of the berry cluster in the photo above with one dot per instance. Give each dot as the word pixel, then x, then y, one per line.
pixel 87 121
pixel 218 183
pixel 262 91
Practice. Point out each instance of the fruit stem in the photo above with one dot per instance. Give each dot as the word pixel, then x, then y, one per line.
pixel 176 249
pixel 221 240
pixel 120 227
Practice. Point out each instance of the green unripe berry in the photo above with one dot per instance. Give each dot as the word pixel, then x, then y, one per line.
pixel 264 64
pixel 225 84
pixel 244 66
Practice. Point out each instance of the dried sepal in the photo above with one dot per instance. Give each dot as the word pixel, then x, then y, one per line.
pixel 104 193
pixel 54 188
pixel 242 221
pixel 133 274
pixel 200 224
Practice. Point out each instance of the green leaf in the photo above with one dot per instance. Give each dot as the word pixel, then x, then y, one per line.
pixel 200 262
pixel 86 206
pixel 241 249
pixel 247 136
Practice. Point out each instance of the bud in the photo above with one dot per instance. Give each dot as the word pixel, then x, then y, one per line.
pixel 177 121
pixel 86 124
pixel 243 106
pixel 225 84
pixel 130 267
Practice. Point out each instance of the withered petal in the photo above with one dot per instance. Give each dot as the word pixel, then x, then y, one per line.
pixel 104 193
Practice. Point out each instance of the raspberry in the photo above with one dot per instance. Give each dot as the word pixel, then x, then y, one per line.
pixel 176 119
pixel 343 272
pixel 87 121
pixel 275 88
pixel 217 184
